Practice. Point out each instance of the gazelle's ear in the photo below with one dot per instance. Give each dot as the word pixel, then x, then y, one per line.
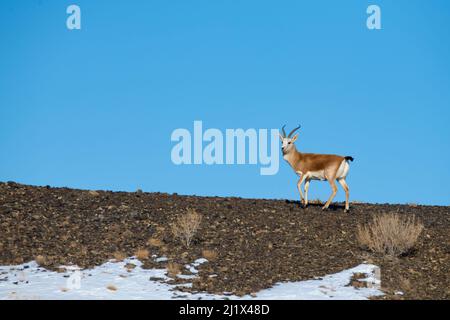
pixel 294 138
pixel 281 137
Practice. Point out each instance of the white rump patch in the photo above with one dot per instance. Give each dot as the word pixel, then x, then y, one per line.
pixel 343 170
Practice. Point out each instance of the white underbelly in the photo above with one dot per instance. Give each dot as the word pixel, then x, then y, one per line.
pixel 314 175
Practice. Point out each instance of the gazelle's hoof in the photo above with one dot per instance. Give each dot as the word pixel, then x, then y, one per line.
pixel 324 208
pixel 346 210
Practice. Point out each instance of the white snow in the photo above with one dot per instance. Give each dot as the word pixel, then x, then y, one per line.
pixel 161 259
pixel 198 262
pixel 113 280
pixel 331 287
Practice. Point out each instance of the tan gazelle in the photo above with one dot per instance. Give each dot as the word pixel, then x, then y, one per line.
pixel 312 166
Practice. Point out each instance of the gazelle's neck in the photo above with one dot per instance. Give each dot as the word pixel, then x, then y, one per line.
pixel 293 156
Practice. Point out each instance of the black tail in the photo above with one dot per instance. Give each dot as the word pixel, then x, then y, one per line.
pixel 349 158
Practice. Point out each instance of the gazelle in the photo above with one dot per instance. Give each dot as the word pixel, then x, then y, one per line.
pixel 311 166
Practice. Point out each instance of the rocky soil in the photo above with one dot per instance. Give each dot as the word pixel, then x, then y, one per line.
pixel 258 242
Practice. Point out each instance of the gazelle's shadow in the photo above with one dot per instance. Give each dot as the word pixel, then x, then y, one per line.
pixel 333 206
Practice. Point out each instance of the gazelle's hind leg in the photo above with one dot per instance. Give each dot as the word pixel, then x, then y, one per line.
pixel 344 185
pixel 306 191
pixel 333 194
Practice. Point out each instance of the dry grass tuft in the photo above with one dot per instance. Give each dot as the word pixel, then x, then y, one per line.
pixel 315 201
pixel 119 255
pixel 185 227
pixel 355 280
pixel 40 260
pixel 173 269
pixel 94 193
pixel 404 284
pixel 154 242
pixel 390 234
pixel 142 254
pixel 210 255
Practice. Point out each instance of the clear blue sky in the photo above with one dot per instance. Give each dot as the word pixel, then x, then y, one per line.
pixel 94 108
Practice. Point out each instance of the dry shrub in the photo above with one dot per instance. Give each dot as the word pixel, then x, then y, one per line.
pixel 40 260
pixel 356 280
pixel 404 284
pixel 185 227
pixel 160 230
pixel 390 234
pixel 209 255
pixel 154 242
pixel 94 193
pixel 173 269
pixel 142 254
pixel 119 255
pixel 164 249
pixel 315 201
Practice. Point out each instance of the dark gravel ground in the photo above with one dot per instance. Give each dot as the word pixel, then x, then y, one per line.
pixel 259 242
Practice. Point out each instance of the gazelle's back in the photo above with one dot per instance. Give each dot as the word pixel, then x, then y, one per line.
pixel 315 161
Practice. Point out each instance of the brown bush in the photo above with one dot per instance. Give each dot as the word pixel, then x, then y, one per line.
pixel 315 201
pixel 390 234
pixel 154 242
pixel 209 255
pixel 404 284
pixel 173 269
pixel 119 255
pixel 142 254
pixel 40 260
pixel 185 227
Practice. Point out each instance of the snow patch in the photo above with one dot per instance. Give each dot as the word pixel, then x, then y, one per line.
pixel 161 259
pixel 30 281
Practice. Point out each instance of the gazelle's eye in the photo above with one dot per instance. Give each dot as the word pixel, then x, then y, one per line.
pixel 289 142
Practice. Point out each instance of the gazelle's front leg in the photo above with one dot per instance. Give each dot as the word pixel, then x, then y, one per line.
pixel 306 191
pixel 299 187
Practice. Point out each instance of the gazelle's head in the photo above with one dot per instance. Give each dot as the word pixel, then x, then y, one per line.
pixel 287 142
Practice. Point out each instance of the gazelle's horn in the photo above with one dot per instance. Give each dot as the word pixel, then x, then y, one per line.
pixel 299 126
pixel 284 132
